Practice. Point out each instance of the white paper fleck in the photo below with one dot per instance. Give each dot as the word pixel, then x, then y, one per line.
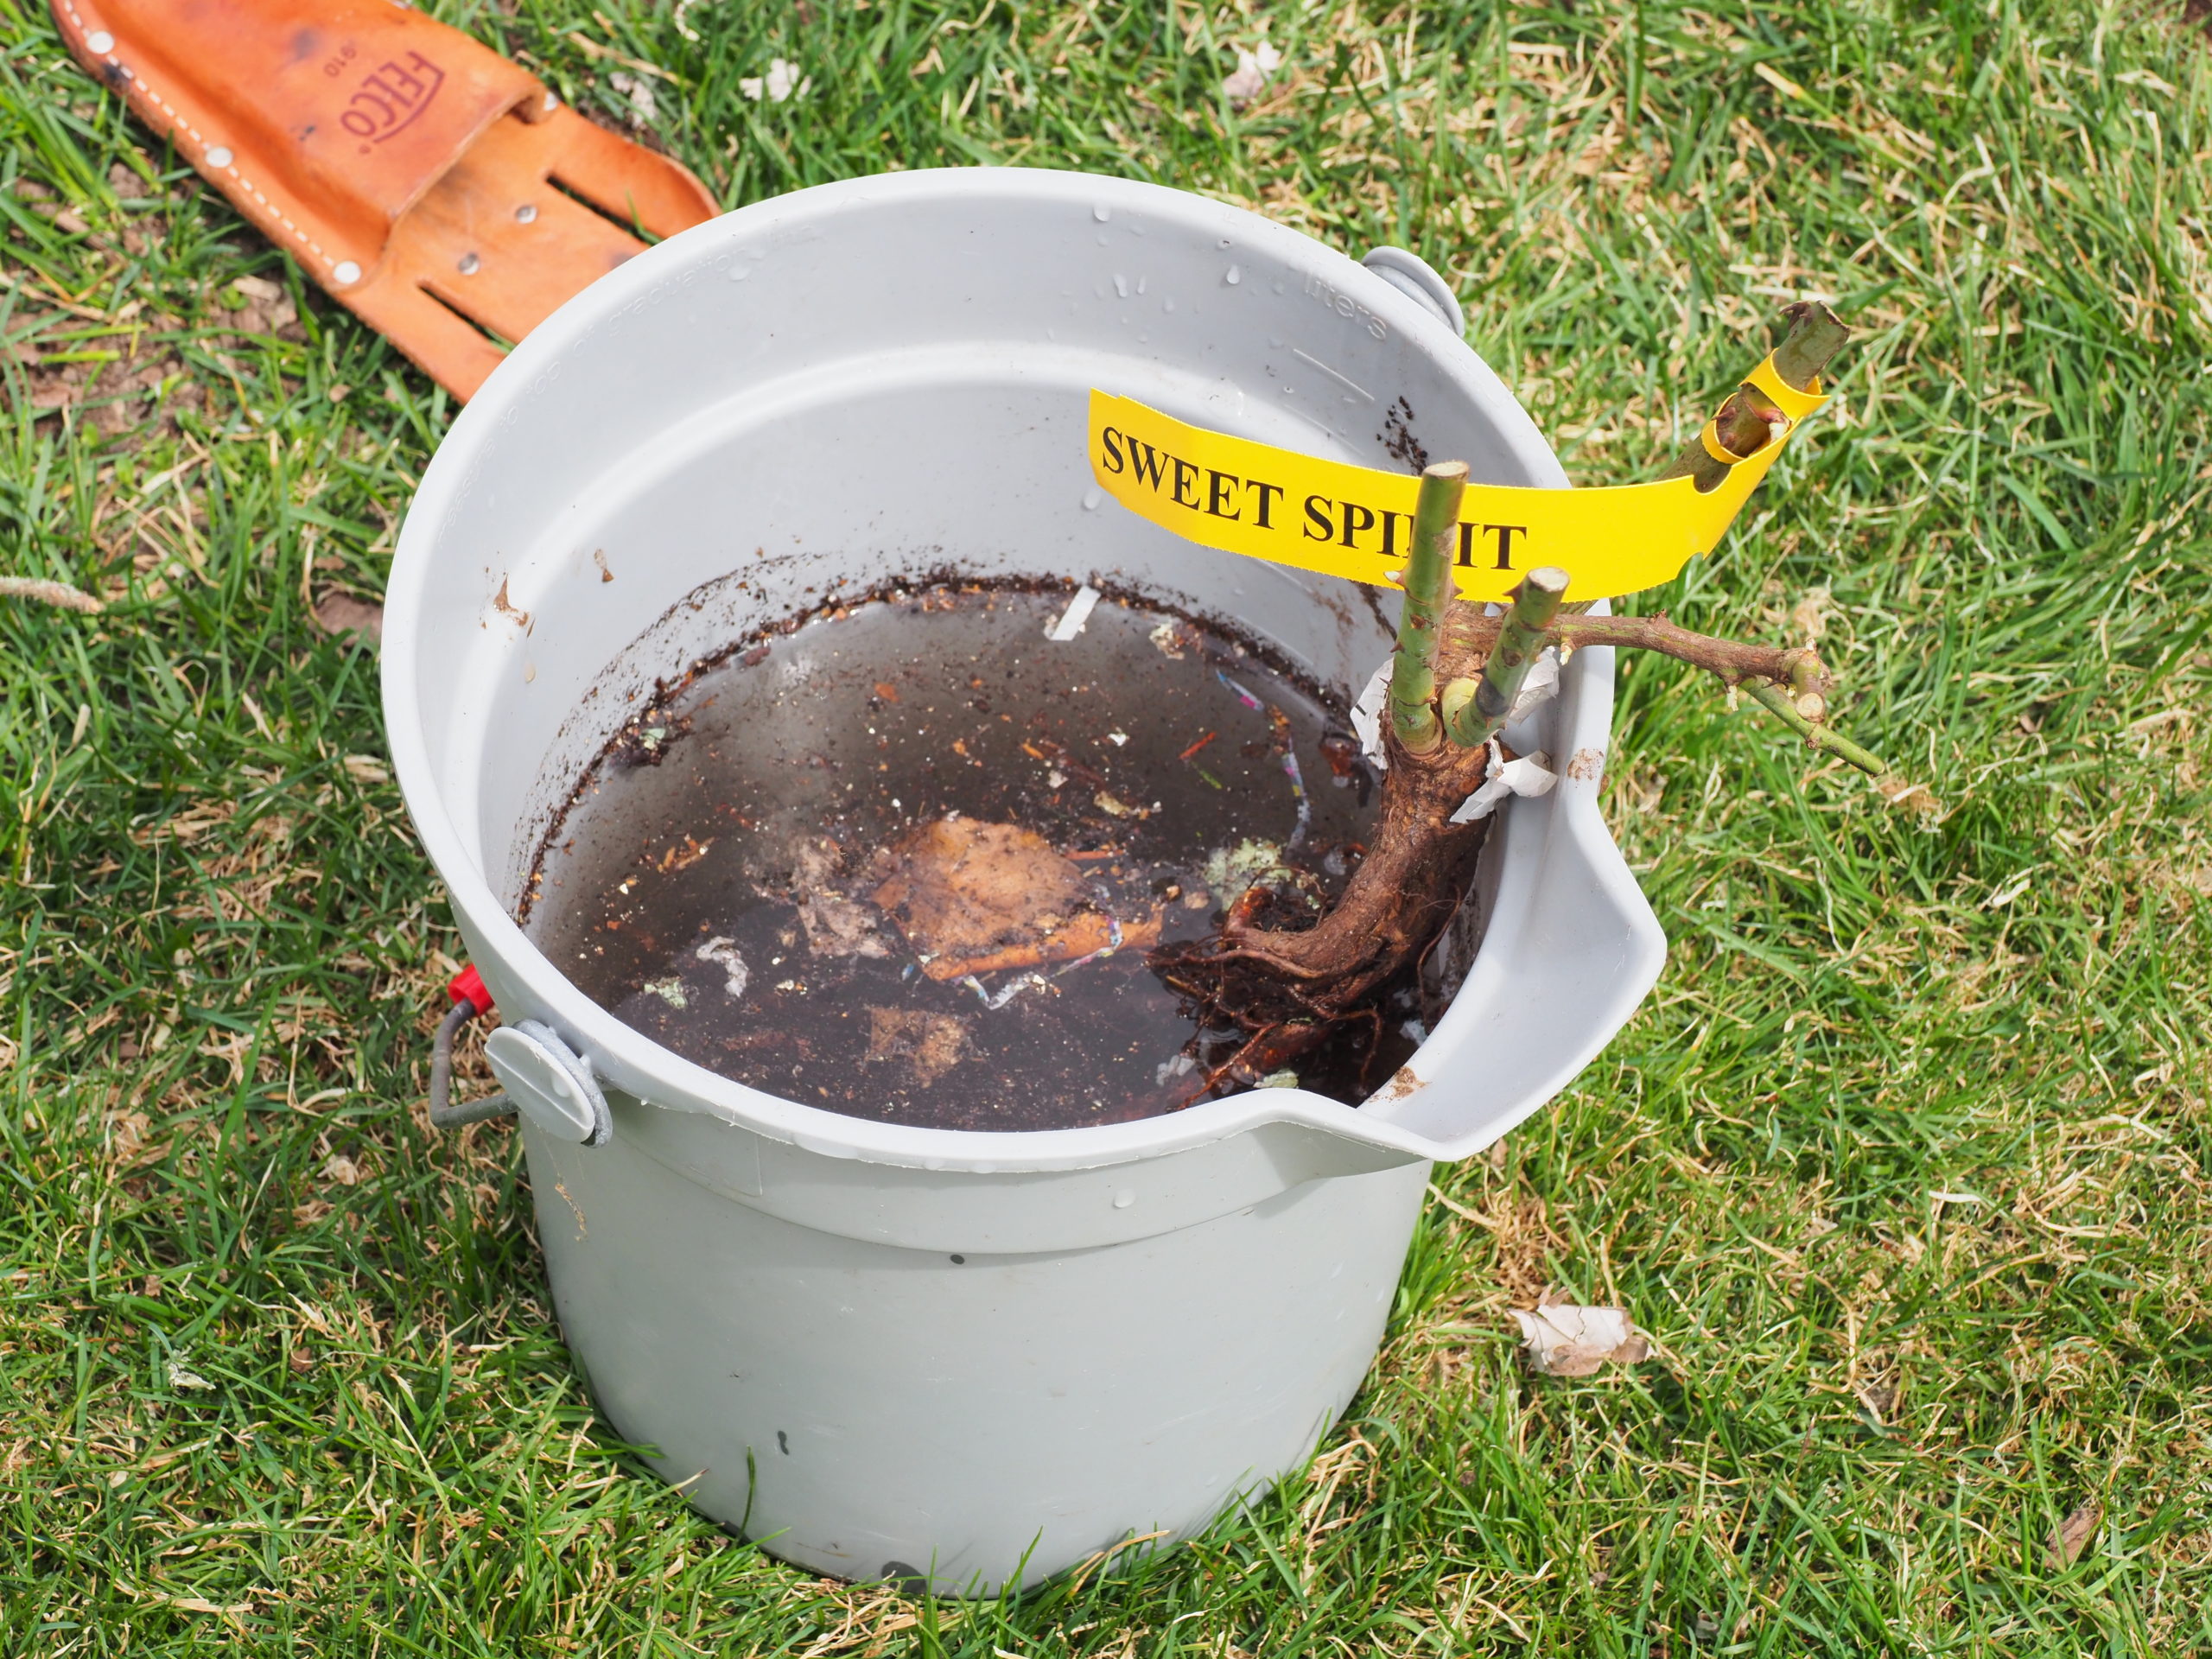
pixel 644 108
pixel 1539 685
pixel 783 81
pixel 1569 1341
pixel 1367 716
pixel 1072 619
pixel 723 950
pixel 1531 774
pixel 1250 77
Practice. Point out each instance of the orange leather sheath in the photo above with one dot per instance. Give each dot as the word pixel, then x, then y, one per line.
pixel 434 187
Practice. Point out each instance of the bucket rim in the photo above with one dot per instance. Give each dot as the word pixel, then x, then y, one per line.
pixel 629 1061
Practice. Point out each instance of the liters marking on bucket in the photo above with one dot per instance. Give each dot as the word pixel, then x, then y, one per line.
pixel 1267 503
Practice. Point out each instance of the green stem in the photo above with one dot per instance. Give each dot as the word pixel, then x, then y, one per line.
pixel 1778 702
pixel 1428 591
pixel 1475 708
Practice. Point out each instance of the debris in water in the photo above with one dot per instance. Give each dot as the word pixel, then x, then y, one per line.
pixel 973 897
pixel 786 777
pixel 1285 1079
pixel 1007 992
pixel 1113 944
pixel 693 850
pixel 1078 613
pixel 1570 1341
pixel 835 926
pixel 670 991
pixel 1196 747
pixel 1229 871
pixel 1298 793
pixel 1114 807
pixel 931 1044
pixel 723 950
pixel 1242 695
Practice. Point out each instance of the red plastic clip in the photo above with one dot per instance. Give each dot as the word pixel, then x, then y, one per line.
pixel 468 987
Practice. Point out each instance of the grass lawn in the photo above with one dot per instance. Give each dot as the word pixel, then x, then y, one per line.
pixel 1906 1165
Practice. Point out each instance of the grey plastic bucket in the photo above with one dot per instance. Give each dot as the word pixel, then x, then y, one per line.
pixel 881 1351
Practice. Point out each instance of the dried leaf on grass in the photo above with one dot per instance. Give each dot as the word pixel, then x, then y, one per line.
pixel 2072 1535
pixel 1568 1341
pixel 1910 796
pixel 342 614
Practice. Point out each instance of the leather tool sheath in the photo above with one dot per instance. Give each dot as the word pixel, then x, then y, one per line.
pixel 436 189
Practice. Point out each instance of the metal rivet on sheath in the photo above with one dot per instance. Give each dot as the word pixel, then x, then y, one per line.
pixel 468 264
pixel 525 213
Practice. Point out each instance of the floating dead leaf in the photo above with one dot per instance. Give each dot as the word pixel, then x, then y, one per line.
pixel 2072 1535
pixel 960 887
pixel 973 898
pixel 835 926
pixel 930 1044
pixel 342 613
pixel 1571 1341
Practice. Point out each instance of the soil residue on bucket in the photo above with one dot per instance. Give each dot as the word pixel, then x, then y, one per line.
pixel 906 859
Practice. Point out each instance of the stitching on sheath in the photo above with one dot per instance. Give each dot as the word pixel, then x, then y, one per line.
pixel 83 28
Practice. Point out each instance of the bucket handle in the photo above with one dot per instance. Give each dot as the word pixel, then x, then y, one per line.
pixel 547 1081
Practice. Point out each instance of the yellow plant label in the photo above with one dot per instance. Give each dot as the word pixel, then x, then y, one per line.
pixel 1267 502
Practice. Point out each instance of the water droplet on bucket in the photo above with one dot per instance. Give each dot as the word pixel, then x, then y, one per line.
pixel 1101 212
pixel 1142 281
pixel 1235 275
pixel 1091 497
pixel 1168 305
pixel 1120 285
pixel 739 273
pixel 1124 1198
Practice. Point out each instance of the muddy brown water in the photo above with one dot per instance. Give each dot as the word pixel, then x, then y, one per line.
pixel 714 883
